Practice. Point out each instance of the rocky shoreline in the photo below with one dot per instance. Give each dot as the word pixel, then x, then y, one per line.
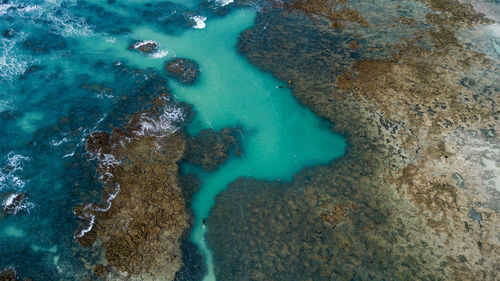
pixel 415 196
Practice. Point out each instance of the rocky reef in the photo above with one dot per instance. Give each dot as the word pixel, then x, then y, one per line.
pixel 8 274
pixel 185 71
pixel 416 195
pixel 16 202
pixel 146 47
pixel 211 148
pixel 143 217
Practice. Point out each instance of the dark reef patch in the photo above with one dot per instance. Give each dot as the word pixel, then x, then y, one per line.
pixel 194 264
pixel 184 70
pixel 8 33
pixel 210 148
pixel 146 47
pixel 44 43
pixel 8 274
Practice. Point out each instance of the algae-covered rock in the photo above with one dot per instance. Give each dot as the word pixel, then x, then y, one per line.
pixel 185 71
pixel 8 274
pixel 210 148
pixel 146 47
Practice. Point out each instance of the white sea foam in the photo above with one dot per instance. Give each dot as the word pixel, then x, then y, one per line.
pixel 59 142
pixel 8 174
pixel 91 217
pixel 13 63
pixel 224 2
pixel 4 8
pixel 59 19
pixel 24 204
pixel 159 54
pixel 199 22
pixel 161 126
pixel 108 160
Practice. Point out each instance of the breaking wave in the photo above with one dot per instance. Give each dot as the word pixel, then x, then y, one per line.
pixel 9 177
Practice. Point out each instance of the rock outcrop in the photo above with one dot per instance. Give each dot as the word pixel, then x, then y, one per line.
pixel 8 274
pixel 211 148
pixel 185 71
pixel 146 47
pixel 14 203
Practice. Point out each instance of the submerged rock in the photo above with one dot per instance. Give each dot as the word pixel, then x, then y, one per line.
pixel 185 71
pixel 216 7
pixel 146 47
pixel 210 148
pixel 194 264
pixel 45 43
pixel 8 33
pixel 15 203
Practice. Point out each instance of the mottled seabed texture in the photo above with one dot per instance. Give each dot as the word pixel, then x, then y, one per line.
pixel 249 140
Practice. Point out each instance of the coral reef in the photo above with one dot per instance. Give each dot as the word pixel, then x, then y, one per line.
pixel 336 11
pixel 415 197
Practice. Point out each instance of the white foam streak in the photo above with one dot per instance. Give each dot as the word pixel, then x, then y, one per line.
pixel 224 2
pixel 24 205
pixel 59 19
pixel 162 126
pixel 59 142
pixel 91 217
pixel 144 42
pixel 12 63
pixel 8 177
pixel 199 22
pixel 159 54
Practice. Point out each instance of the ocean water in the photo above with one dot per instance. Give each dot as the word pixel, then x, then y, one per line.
pixel 66 71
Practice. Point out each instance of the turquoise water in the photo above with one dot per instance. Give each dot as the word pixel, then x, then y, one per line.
pixel 46 113
pixel 281 137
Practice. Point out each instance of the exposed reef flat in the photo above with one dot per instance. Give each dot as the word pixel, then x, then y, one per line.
pixel 143 216
pixel 416 196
